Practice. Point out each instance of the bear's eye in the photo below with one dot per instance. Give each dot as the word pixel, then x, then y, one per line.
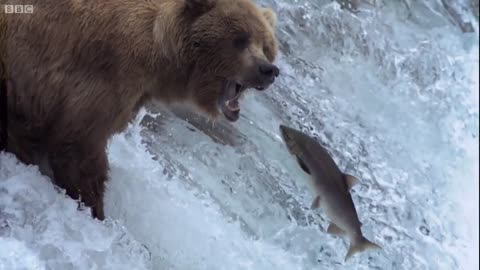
pixel 267 52
pixel 196 44
pixel 241 41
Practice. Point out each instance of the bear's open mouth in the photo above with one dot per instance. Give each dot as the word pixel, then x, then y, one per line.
pixel 228 103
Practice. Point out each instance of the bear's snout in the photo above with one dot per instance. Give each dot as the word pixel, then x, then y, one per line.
pixel 268 71
pixel 266 74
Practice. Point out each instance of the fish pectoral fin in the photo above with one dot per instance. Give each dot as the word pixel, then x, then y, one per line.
pixel 315 203
pixel 350 180
pixel 302 165
pixel 335 230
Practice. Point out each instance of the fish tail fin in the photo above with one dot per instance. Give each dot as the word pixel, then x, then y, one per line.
pixel 360 245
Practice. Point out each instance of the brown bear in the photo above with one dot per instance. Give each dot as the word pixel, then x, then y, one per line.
pixel 81 69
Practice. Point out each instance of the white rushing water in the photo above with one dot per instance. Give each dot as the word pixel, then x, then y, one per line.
pixel 392 92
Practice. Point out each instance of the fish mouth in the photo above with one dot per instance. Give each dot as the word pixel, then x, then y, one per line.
pixel 228 102
pixel 284 133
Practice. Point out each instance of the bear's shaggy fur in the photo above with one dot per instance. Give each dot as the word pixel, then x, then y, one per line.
pixel 81 69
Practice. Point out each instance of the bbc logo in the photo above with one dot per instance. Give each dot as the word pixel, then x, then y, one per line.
pixel 18 9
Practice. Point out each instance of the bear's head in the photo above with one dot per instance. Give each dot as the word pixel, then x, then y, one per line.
pixel 231 47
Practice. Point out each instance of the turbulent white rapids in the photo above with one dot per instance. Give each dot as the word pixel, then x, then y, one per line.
pixel 392 92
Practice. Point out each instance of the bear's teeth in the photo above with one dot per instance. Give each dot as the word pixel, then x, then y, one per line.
pixel 232 105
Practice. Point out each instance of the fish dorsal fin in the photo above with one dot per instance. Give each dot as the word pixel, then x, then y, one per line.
pixel 335 230
pixel 315 203
pixel 302 165
pixel 350 180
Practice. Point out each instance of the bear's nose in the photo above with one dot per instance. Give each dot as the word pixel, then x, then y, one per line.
pixel 268 72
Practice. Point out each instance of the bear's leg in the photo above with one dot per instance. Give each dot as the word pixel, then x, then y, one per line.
pixel 21 148
pixel 82 172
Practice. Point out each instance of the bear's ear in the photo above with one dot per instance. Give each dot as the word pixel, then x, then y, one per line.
pixel 270 15
pixel 198 7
